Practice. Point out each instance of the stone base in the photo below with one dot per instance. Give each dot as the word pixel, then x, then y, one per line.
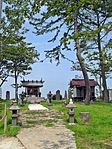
pixel 50 104
pixel 34 99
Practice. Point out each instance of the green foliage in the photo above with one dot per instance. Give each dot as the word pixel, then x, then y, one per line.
pixel 16 54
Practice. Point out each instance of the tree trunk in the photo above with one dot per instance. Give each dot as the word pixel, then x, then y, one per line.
pixel 100 87
pixel 103 75
pixel 16 84
pixel 81 62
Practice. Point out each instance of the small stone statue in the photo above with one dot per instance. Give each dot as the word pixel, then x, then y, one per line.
pixel 49 96
pixel 22 96
pixel 39 94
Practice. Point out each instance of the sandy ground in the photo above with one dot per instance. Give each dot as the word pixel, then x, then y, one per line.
pixel 10 143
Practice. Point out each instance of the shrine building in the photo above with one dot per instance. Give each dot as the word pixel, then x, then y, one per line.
pixel 32 88
pixel 78 89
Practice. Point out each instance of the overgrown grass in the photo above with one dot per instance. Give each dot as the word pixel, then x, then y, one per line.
pixel 25 106
pixel 97 132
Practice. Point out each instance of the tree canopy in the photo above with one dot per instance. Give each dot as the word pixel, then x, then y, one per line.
pixel 87 24
pixel 16 54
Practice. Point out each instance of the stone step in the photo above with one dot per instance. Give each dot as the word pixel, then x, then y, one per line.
pixel 33 118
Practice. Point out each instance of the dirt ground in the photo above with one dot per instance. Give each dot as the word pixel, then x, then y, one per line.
pixel 10 143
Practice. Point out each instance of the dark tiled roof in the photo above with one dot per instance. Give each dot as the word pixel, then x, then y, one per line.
pixel 81 82
pixel 26 83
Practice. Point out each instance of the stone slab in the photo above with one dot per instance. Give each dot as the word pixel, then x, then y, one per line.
pixel 41 137
pixel 36 107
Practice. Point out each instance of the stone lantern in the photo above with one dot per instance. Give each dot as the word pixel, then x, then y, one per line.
pixel 14 108
pixel 71 107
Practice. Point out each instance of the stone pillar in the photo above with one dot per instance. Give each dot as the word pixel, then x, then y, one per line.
pixel 65 96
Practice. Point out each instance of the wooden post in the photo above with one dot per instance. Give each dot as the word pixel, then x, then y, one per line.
pixel 5 118
pixel 0 109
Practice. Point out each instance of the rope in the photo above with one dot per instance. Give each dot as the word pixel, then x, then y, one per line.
pixel 5 113
pixel 3 118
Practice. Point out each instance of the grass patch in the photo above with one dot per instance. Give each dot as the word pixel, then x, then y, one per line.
pixel 12 130
pixel 99 128
pixel 25 106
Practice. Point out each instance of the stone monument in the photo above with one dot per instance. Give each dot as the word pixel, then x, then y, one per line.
pixel 49 96
pixel 58 95
pixel 7 95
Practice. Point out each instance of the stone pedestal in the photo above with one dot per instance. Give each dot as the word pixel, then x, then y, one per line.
pixel 71 117
pixel 14 119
